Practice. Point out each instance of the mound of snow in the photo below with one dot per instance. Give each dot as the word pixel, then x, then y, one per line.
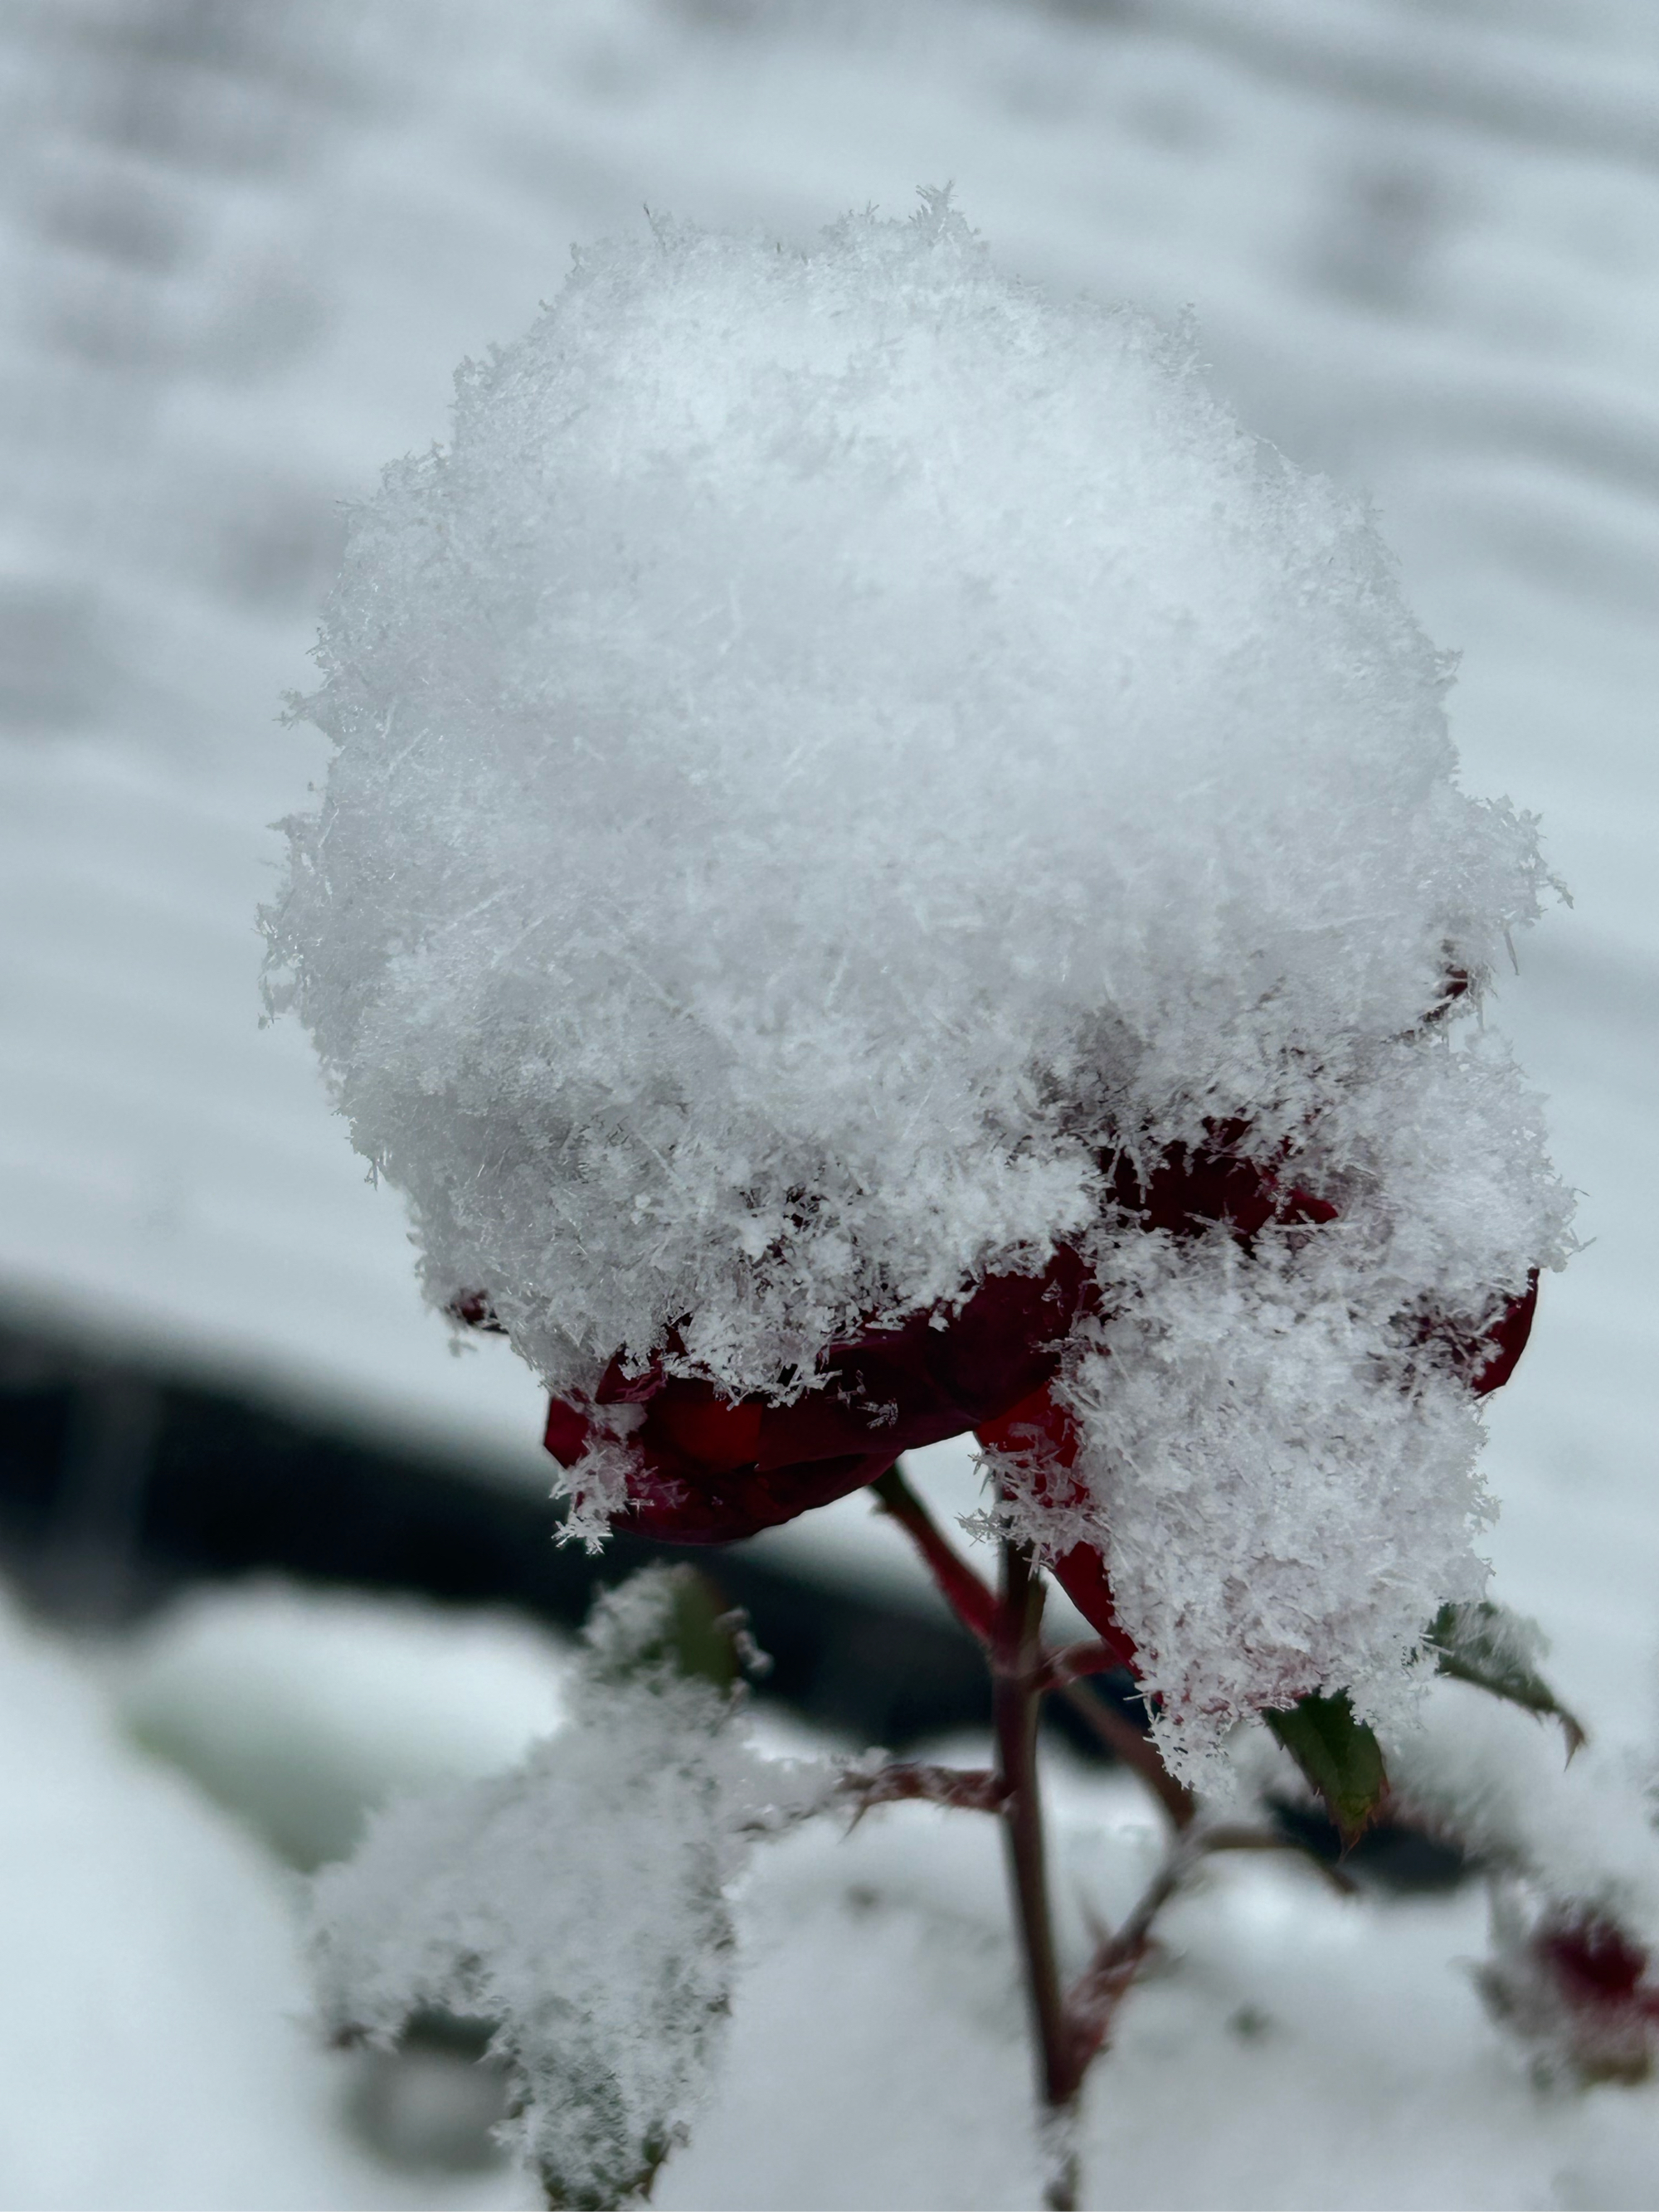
pixel 302 1709
pixel 153 2043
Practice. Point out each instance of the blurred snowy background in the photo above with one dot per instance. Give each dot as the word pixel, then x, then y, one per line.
pixel 244 244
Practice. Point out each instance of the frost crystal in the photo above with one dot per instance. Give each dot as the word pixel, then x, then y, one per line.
pixel 839 744
pixel 578 1905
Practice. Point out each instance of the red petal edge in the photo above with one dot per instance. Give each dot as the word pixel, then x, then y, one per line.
pixel 711 1470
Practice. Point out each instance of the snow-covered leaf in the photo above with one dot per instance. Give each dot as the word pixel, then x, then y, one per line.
pixel 670 1619
pixel 578 1904
pixel 1494 1648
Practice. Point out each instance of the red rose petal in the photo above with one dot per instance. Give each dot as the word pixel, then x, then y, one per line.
pixel 567 1432
pixel 688 1420
pixel 1081 1573
pixel 723 1509
pixel 710 1469
pixel 1508 1338
pixel 1043 1429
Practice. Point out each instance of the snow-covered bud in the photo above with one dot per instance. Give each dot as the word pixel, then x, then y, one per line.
pixel 1578 1988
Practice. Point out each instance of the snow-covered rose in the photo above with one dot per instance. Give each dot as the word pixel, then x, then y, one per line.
pixel 849 770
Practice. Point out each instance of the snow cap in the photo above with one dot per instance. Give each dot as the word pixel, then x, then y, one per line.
pixel 838 741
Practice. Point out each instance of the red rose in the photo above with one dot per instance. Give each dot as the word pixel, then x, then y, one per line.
pixel 710 1470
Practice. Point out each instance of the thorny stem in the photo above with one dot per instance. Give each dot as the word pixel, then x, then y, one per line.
pixel 1094 1997
pixel 1068 2032
pixel 1016 1663
pixel 974 1790
pixel 1070 2027
pixel 974 1604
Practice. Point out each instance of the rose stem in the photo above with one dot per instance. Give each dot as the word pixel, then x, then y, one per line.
pixel 976 1607
pixel 1015 1661
pixel 972 1600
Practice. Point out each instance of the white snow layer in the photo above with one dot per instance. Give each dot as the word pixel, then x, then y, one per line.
pixel 839 742
pixel 300 1710
pixel 154 2053
pixel 578 1904
pixel 1288 1489
pixel 152 2044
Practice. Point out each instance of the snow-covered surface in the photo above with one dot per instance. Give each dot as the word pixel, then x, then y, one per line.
pixel 155 2047
pixel 1290 2048
pixel 241 1687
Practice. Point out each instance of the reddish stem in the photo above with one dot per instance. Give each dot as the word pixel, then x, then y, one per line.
pixel 975 1604
pixel 1015 1662
pixel 1068 2032
pixel 972 1601
pixel 1137 1753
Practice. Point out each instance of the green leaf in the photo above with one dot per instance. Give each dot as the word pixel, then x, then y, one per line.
pixel 1494 1648
pixel 1339 1756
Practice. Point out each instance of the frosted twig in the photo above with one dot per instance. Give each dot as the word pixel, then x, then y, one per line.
pixel 1094 1997
pixel 966 1788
